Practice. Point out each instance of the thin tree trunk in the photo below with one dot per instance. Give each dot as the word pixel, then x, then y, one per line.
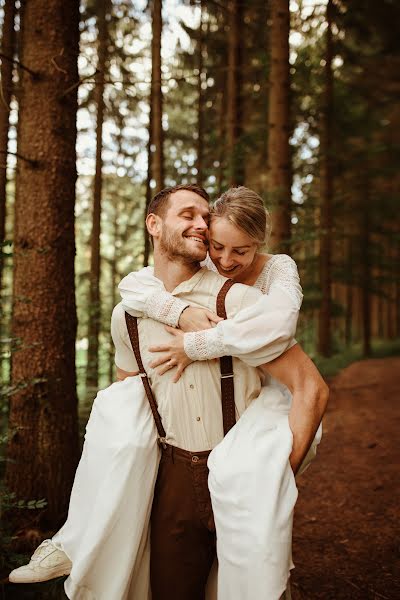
pixel 365 274
pixel 279 156
pixel 6 72
pixel 43 445
pixel 325 314
pixel 155 145
pixel 114 284
pixel 234 96
pixel 348 331
pixel 94 307
pixel 200 99
pixel 147 244
pixel 221 138
pixel 157 137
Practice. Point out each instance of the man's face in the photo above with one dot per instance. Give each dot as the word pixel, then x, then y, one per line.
pixel 184 227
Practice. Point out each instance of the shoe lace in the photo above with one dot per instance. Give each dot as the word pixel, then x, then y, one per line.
pixel 43 550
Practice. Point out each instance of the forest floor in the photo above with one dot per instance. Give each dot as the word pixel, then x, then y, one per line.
pixel 346 532
pixel 345 538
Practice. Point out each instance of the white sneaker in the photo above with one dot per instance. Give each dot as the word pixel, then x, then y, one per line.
pixel 47 562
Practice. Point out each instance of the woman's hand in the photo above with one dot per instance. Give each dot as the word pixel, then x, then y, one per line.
pixel 197 319
pixel 174 355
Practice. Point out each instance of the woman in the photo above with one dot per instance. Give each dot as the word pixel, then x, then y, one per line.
pixel 111 471
pixel 238 230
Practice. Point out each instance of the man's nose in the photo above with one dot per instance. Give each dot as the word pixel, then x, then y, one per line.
pixel 200 223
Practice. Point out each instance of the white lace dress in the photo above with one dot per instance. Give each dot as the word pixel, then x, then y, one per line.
pixel 252 486
pixel 106 533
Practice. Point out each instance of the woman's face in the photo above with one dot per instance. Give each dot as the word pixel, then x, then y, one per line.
pixel 231 249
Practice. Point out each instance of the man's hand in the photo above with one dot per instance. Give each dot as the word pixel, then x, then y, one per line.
pixel 174 356
pixel 197 319
pixel 310 395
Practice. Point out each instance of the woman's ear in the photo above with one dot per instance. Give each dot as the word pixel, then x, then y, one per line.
pixel 153 224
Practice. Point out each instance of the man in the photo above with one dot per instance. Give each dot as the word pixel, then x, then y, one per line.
pixel 182 526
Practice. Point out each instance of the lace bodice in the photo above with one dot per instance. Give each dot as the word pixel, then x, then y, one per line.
pixel 272 319
pixel 281 271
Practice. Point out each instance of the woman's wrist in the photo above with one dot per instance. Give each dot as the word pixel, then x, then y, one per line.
pixel 166 308
pixel 204 345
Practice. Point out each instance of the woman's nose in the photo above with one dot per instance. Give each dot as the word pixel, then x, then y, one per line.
pixel 226 261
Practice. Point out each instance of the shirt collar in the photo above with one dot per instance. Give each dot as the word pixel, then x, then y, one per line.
pixel 186 286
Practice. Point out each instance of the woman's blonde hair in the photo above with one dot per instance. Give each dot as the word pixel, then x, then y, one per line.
pixel 245 209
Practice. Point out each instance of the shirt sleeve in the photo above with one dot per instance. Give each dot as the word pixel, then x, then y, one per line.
pixel 124 356
pixel 260 331
pixel 143 295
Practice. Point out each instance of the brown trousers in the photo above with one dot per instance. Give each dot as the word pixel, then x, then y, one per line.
pixel 182 527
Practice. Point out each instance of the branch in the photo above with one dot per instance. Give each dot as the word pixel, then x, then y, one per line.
pixel 77 84
pixel 54 63
pixel 19 65
pixel 33 163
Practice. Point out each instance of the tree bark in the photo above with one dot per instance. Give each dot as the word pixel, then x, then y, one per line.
pixel 94 306
pixel 325 313
pixel 365 273
pixel 157 135
pixel 348 331
pixel 146 237
pixel 234 112
pixel 279 156
pixel 43 446
pixel 6 72
pixel 200 99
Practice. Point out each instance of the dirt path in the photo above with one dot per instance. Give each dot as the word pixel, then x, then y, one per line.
pixel 346 542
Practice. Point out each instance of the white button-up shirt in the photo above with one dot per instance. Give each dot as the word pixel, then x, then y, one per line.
pixel 191 408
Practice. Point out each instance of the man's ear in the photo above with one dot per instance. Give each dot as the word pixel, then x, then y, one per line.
pixel 153 224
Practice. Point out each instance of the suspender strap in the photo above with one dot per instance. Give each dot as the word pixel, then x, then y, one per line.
pixel 131 323
pixel 226 366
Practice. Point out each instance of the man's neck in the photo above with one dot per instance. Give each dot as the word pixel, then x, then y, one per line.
pixel 173 272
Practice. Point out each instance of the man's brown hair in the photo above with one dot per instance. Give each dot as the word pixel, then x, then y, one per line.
pixel 159 203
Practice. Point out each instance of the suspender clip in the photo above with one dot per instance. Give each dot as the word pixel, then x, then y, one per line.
pixel 162 442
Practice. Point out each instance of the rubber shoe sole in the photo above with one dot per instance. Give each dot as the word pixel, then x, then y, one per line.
pixel 26 574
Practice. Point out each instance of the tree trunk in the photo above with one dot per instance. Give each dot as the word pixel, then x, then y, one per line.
pixel 6 72
pixel 234 96
pixel 157 136
pixel 155 145
pixel 114 285
pixel 200 99
pixel 43 445
pixel 94 307
pixel 147 243
pixel 221 138
pixel 325 313
pixel 348 331
pixel 279 159
pixel 365 274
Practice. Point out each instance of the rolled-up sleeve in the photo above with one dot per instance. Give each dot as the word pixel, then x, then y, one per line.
pixel 124 356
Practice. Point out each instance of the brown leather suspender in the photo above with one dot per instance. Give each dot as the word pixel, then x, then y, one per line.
pixel 226 366
pixel 131 323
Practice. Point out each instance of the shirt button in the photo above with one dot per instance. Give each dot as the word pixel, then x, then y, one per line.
pixel 191 386
pixel 195 459
pixel 197 418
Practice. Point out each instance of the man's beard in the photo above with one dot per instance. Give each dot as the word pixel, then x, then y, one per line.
pixel 173 245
